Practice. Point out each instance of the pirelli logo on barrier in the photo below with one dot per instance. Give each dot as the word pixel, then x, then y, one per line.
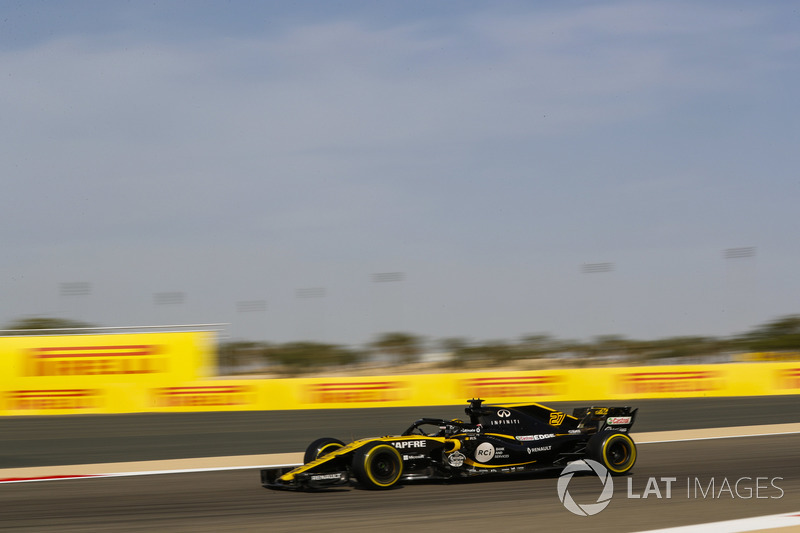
pixel 95 360
pixel 511 387
pixel 365 392
pixel 204 396
pixel 788 378
pixel 666 382
pixel 58 400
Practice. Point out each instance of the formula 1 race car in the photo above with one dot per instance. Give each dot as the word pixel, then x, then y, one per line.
pixel 498 439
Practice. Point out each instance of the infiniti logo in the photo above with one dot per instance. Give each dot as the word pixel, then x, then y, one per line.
pixel 589 509
pixel 503 413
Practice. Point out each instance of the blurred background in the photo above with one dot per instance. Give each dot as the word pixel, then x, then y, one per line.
pixel 417 183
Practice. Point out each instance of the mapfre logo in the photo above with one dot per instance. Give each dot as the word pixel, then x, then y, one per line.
pixel 374 391
pixel 587 509
pixel 406 444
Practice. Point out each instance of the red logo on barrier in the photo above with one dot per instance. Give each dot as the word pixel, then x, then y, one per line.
pixel 376 391
pixel 509 387
pixel 33 400
pixel 204 396
pixel 95 360
pixel 789 378
pixel 681 381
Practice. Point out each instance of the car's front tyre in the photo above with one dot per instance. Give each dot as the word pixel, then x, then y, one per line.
pixel 377 465
pixel 321 447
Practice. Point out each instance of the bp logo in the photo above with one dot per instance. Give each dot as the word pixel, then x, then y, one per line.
pixel 589 509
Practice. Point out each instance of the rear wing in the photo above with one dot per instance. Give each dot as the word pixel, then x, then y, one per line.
pixel 616 418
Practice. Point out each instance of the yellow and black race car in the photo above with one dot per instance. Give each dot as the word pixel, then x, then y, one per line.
pixel 498 439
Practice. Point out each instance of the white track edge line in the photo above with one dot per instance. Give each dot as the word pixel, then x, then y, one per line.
pixel 740 525
pixel 253 467
pixel 145 473
pixel 716 437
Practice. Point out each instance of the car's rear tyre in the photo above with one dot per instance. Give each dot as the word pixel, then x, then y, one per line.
pixel 377 465
pixel 321 447
pixel 614 450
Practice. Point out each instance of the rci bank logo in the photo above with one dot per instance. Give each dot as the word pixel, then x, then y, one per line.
pixel 589 509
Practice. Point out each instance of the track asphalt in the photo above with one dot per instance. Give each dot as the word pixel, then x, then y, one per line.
pixel 766 468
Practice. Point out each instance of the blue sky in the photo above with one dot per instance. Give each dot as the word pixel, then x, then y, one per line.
pixel 239 151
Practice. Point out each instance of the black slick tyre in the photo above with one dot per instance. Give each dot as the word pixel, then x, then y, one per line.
pixel 377 465
pixel 614 450
pixel 321 447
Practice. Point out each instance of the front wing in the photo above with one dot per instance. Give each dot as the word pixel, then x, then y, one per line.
pixel 333 469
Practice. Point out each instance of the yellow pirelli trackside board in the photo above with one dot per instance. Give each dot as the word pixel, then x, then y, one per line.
pixel 98 373
pixel 623 383
pixel 165 392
